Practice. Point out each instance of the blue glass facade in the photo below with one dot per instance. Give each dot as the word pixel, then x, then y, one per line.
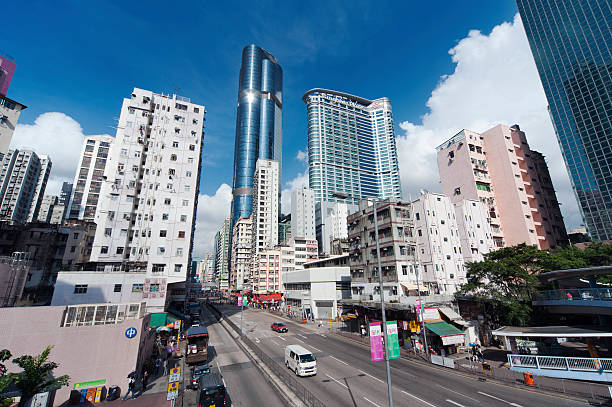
pixel 570 41
pixel 258 123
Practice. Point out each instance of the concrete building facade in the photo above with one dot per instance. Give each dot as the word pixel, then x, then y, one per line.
pixel 222 253
pixel 9 115
pixel 266 205
pixel 474 229
pixel 84 196
pixel 266 271
pixel 330 223
pixel 497 168
pixel 303 213
pixel 242 254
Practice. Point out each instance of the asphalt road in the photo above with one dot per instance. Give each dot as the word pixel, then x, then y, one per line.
pixel 243 380
pixel 347 377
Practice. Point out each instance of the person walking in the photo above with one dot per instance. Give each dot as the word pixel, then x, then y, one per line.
pixel 131 387
pixel 145 379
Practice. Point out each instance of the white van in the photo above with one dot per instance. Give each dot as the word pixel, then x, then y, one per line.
pixel 300 360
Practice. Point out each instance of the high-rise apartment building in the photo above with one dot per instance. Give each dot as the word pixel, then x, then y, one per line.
pixel 266 271
pixel 9 109
pixel 258 123
pixel 206 268
pixel 303 213
pixel 330 221
pixel 499 169
pixel 85 191
pixel 474 229
pixel 7 69
pixel 46 208
pixel 65 193
pixel 284 229
pixel 23 180
pixel 222 253
pixel 438 244
pixel 570 41
pixel 242 254
pixel 148 197
pixel 351 147
pixel 265 205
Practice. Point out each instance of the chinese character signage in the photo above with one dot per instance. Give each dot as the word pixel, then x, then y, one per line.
pixel 393 347
pixel 376 342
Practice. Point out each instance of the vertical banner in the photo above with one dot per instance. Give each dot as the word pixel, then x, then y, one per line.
pixel 376 342
pixel 392 336
pixel 244 301
pixel 239 301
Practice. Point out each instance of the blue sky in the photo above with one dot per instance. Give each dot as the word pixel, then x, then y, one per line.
pixel 82 58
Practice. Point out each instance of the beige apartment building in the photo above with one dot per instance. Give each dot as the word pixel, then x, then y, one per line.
pixel 498 168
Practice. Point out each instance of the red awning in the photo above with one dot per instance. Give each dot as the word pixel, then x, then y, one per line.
pixel 268 298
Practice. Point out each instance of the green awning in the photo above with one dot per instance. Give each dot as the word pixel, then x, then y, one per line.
pixel 170 318
pixel 158 319
pixel 443 328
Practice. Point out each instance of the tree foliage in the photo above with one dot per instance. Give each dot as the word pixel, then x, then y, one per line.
pixel 5 379
pixel 507 278
pixel 37 375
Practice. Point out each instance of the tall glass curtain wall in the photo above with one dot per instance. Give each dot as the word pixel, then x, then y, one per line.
pixel 570 41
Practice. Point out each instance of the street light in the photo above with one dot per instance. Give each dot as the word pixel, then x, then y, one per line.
pixel 422 311
pixel 381 292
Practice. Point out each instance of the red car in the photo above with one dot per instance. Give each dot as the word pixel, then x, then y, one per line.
pixel 279 327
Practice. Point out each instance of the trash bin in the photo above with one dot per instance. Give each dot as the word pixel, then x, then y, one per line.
pixel 528 376
pixel 303 320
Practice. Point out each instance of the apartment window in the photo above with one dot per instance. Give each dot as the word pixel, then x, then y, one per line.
pixel 417 216
pixel 161 250
pixel 183 218
pixel 117 288
pixel 80 289
pixel 181 234
pixel 103 249
pixel 154 288
pixel 405 270
pixel 119 250
pixel 173 157
pixel 178 268
pixel 167 201
pixel 179 251
pixel 108 231
pixel 191 147
pixel 162 233
pixel 137 288
pixel 175 144
pixel 72 249
pixel 159 268
pixel 188 174
pixel 164 216
pixel 420 232
pixel 185 202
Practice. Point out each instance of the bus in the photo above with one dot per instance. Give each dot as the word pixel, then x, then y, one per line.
pixel 197 345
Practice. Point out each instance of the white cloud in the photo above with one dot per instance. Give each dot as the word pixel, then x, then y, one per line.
pixel 302 156
pixel 212 211
pixel 301 180
pixel 495 81
pixel 60 137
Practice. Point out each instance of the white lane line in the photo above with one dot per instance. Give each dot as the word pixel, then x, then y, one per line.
pixel 280 337
pixel 456 392
pixel 455 403
pixel 420 399
pixel 257 340
pixel 338 360
pixel 322 335
pixel 375 378
pixel 302 336
pixel 318 350
pixel 497 398
pixel 274 342
pixel 370 401
pixel 340 383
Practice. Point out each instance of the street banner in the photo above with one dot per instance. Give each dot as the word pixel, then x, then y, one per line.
pixel 244 301
pixel 393 346
pixel 376 346
pixel 239 301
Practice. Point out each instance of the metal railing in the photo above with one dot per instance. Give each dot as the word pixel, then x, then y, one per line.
pixel 575 294
pixel 277 368
pixel 561 363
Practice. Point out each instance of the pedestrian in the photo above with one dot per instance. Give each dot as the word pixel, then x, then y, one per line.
pixel 131 387
pixel 363 331
pixel 480 356
pixel 145 379
pixel 158 363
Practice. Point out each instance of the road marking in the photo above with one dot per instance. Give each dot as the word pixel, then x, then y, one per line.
pixel 340 383
pixel 367 374
pixel 461 394
pixel 318 350
pixel 274 342
pixel 497 398
pixel 257 340
pixel 280 337
pixel 338 360
pixel 322 335
pixel 455 403
pixel 370 401
pixel 420 399
pixel 302 336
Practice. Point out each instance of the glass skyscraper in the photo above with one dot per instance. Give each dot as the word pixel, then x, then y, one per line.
pixel 351 147
pixel 258 123
pixel 570 41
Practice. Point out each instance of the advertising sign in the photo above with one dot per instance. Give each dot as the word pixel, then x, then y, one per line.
pixel 91 383
pixel 376 342
pixel 453 340
pixel 244 301
pixel 393 346
pixel 174 375
pixel 173 389
pixel 428 314
pixel 239 301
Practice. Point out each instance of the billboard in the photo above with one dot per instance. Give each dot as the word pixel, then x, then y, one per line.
pixel 7 69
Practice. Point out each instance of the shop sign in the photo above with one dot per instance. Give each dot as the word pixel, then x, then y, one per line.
pixel 453 340
pixel 90 383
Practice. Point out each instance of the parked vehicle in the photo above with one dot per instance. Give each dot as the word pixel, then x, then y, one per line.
pixel 197 345
pixel 212 391
pixel 279 327
pixel 300 360
pixel 198 372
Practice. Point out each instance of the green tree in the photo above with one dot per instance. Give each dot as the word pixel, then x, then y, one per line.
pixel 5 379
pixel 37 375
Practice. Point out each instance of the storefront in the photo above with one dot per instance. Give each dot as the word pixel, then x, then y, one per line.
pixel 444 338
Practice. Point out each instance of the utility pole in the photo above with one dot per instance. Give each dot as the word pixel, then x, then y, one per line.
pixel 421 312
pixel 382 308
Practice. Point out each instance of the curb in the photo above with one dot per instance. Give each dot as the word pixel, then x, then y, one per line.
pixel 283 391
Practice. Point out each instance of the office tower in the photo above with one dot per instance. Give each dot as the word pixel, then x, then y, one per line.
pixel 351 147
pixel 85 190
pixel 397 251
pixel 499 169
pixel 258 123
pixel 303 213
pixel 66 192
pixel 438 244
pixel 330 223
pixel 222 252
pixel 242 254
pixel 570 41
pixel 146 207
pixel 23 180
pixel 475 231
pixel 7 69
pixel 284 229
pixel 265 205
pixel 46 208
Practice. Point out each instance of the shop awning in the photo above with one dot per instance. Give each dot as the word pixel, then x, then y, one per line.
pixel 449 334
pixel 452 315
pixel 413 287
pixel 158 319
pixel 268 297
pixel 171 318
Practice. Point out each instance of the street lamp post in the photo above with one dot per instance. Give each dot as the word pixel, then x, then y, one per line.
pixel 421 312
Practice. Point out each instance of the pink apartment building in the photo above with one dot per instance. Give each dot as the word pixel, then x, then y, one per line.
pixel 499 169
